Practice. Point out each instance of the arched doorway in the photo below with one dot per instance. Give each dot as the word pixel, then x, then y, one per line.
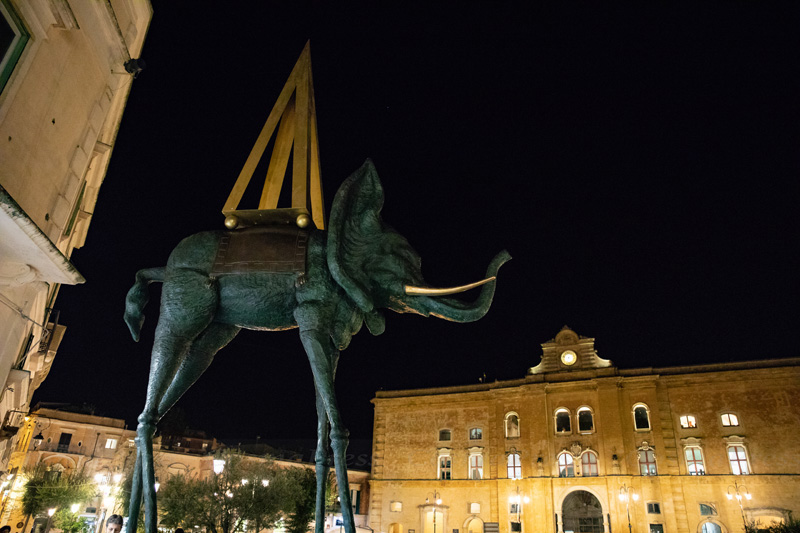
pixel 434 521
pixel 582 513
pixel 711 527
pixel 395 528
pixel 474 525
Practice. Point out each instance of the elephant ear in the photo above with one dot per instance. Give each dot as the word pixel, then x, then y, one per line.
pixel 355 224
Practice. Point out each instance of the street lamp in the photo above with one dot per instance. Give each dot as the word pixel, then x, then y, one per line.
pixel 50 513
pixel 625 495
pixel 437 500
pixel 739 492
pixel 219 466
pixel 517 499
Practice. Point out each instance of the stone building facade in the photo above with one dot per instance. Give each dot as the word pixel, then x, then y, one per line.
pixel 66 71
pixel 578 445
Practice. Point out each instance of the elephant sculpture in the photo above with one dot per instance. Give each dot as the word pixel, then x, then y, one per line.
pixel 324 283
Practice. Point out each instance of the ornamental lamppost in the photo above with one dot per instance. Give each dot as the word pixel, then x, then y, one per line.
pixel 739 492
pixel 518 499
pixel 625 495
pixel 437 500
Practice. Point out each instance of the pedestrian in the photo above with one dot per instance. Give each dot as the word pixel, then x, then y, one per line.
pixel 113 524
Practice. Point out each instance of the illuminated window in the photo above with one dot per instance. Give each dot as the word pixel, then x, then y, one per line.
pixel 589 464
pixel 514 466
pixel 512 425
pixel 641 417
pixel 707 509
pixel 737 456
pixel 563 421
pixel 711 527
pixel 688 422
pixel 729 420
pixel 396 507
pixel 111 444
pixel 14 38
pixel 566 466
pixel 445 470
pixel 444 434
pixel 694 461
pixel 585 420
pixel 475 434
pixel 476 465
pixel 647 462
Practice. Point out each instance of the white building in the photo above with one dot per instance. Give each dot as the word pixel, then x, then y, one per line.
pixel 65 76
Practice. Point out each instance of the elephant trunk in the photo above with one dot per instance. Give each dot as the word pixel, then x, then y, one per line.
pixel 458 311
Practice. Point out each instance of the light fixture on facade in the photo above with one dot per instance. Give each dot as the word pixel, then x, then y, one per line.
pixel 219 466
pixel 38 440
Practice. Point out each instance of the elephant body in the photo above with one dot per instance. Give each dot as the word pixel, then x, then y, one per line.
pixel 327 284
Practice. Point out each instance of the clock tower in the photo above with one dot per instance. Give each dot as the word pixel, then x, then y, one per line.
pixel 569 351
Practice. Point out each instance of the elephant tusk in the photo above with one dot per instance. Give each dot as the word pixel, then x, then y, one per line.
pixel 428 291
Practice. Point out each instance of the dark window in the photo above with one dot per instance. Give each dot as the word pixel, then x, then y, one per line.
pixel 13 38
pixel 444 434
pixel 640 417
pixel 707 510
pixel 475 434
pixel 585 421
pixel 516 526
pixel 63 442
pixel 562 422
pixel 654 508
pixel 656 528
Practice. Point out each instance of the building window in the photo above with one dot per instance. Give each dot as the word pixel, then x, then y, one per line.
pixel 476 466
pixel 396 507
pixel 475 434
pixel 738 459
pixel 641 417
pixel 688 422
pixel 475 508
pixel 585 420
pixel 514 466
pixel 729 420
pixel 111 444
pixel 656 528
pixel 512 425
pixel 589 464
pixel 563 421
pixel 647 462
pixel 513 507
pixel 566 466
pixel 653 508
pixel 445 470
pixel 694 461
pixel 444 434
pixel 707 509
pixel 13 41
pixel 711 527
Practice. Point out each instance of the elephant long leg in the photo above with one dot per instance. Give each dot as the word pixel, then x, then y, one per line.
pixel 136 493
pixel 323 357
pixel 188 303
pixel 321 460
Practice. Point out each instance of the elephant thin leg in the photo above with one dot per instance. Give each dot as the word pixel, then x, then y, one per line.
pixel 136 493
pixel 321 458
pixel 323 357
pixel 188 303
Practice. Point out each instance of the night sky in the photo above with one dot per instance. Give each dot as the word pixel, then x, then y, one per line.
pixel 639 162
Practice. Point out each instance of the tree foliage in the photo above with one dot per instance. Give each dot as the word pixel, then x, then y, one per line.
pixel 46 489
pixel 225 502
pixel 790 525
pixel 303 495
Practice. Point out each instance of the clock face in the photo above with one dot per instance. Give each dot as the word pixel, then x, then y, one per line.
pixel 568 357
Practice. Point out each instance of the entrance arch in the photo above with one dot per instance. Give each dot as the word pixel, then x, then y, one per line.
pixel 395 528
pixel 473 525
pixel 582 512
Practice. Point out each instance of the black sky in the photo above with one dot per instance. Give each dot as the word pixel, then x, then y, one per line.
pixel 638 161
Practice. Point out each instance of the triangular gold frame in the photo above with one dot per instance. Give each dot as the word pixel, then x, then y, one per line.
pixel 297 136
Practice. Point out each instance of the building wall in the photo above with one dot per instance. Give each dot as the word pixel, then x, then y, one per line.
pixel 407 446
pixel 60 109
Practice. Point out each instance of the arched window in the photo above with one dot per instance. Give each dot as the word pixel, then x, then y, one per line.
pixel 641 417
pixel 512 425
pixel 514 466
pixel 647 462
pixel 585 420
pixel 476 465
pixel 563 425
pixel 688 422
pixel 589 463
pixel 475 434
pixel 711 527
pixel 694 461
pixel 566 466
pixel 737 456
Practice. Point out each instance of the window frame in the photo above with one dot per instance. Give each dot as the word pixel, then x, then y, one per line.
pixel 111 443
pixel 567 465
pixel 647 416
pixel 644 466
pixel 585 409
pixel 568 413
pixel 729 424
pixel 595 464
pixel 513 471
pixel 655 506
pixel 691 421
pixel 476 465
pixel 695 449
pixel 479 431
pixel 9 61
pixel 442 470
pixel 506 427
pixel 738 461
pixel 449 435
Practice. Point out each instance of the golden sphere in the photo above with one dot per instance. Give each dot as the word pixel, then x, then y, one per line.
pixel 231 221
pixel 303 220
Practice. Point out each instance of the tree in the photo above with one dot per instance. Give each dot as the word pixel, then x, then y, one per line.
pixel 249 491
pixel 304 484
pixel 47 489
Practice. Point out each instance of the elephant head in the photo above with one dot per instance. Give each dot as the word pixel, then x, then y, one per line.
pixel 378 268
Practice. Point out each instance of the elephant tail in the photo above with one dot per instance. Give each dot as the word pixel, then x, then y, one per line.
pixel 138 297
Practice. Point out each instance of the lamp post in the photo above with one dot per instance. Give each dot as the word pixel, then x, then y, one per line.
pixel 50 513
pixel 625 495
pixel 518 499
pixel 437 500
pixel 739 492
